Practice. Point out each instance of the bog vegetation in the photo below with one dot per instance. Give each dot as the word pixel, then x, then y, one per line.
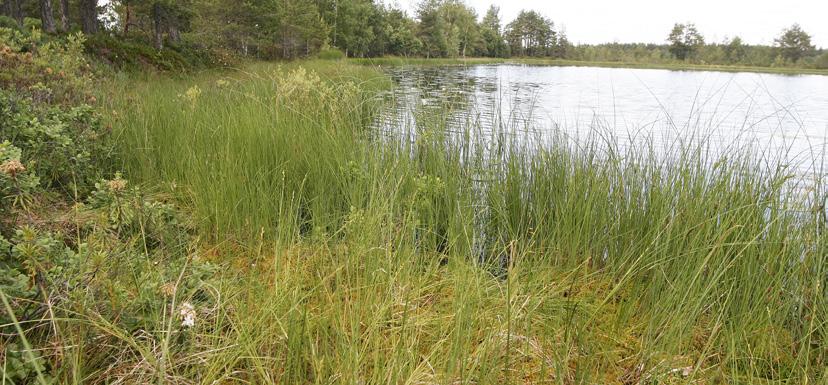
pixel 249 226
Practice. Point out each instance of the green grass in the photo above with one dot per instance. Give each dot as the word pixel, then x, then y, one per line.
pixel 398 61
pixel 353 257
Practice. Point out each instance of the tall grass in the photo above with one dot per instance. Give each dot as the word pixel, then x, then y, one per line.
pixel 368 258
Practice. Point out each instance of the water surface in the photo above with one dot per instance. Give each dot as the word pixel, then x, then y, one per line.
pixel 784 115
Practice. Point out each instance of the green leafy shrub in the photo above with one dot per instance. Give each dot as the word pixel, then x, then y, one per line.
pixel 822 61
pixel 76 248
pixel 49 72
pixel 31 24
pixel 46 111
pixel 130 260
pixel 62 145
pixel 8 23
pixel 124 211
pixel 137 54
pixel 17 183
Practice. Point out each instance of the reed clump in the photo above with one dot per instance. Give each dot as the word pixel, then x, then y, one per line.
pixel 424 255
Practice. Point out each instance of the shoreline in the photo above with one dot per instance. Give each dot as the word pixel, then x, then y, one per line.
pixel 399 61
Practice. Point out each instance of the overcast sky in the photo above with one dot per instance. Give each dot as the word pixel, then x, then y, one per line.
pixel 602 21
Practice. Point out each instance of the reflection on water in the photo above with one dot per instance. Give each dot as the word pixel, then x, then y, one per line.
pixel 786 116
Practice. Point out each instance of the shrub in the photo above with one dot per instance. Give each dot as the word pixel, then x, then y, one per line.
pixel 31 24
pixel 8 23
pixel 46 112
pixel 49 72
pixel 73 245
pixel 17 182
pixel 137 54
pixel 822 61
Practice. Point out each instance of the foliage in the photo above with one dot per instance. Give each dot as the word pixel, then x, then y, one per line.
pixel 531 34
pixel 194 34
pixel 44 111
pixel 352 24
pixel 136 54
pixel 794 43
pixel 399 33
pixel 492 34
pixel 47 71
pixel 75 248
pixel 17 182
pixel 8 23
pixel 735 50
pixel 822 61
pixel 684 41
pixel 432 30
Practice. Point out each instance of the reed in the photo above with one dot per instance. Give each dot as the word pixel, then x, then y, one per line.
pixel 427 256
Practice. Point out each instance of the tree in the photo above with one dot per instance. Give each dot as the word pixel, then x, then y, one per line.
pixel 794 43
pixel 89 16
pixel 399 32
pixel 158 15
pixel 531 34
pixel 463 31
pixel 14 9
pixel 355 29
pixel 300 28
pixel 352 24
pixel 492 34
pixel 735 50
pixel 563 47
pixel 47 17
pixel 242 27
pixel 684 40
pixel 432 28
pixel 63 8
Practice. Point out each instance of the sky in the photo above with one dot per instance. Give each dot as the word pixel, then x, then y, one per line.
pixel 650 21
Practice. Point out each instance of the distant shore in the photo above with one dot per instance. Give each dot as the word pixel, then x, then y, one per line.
pixel 390 61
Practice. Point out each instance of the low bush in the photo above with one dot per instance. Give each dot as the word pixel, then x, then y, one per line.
pixel 822 61
pixel 8 22
pixel 130 53
pixel 84 260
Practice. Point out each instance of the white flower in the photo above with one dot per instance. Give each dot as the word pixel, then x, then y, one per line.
pixel 188 315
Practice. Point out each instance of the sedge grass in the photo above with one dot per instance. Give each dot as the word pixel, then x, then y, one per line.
pixel 367 260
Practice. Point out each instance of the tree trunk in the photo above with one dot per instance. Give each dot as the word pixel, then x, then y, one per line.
pixel 158 20
pixel 12 9
pixel 175 34
pixel 64 15
pixel 47 17
pixel 89 16
pixel 127 18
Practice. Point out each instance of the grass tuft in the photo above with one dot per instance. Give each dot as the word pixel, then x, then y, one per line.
pixel 368 258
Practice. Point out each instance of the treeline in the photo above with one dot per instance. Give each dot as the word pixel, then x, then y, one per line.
pixel 685 44
pixel 297 28
pixel 371 28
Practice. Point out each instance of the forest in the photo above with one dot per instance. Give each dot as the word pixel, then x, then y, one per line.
pixel 268 29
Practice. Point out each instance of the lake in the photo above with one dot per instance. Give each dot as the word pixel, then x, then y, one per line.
pixel 783 115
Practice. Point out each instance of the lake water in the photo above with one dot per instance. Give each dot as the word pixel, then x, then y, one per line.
pixel 783 114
